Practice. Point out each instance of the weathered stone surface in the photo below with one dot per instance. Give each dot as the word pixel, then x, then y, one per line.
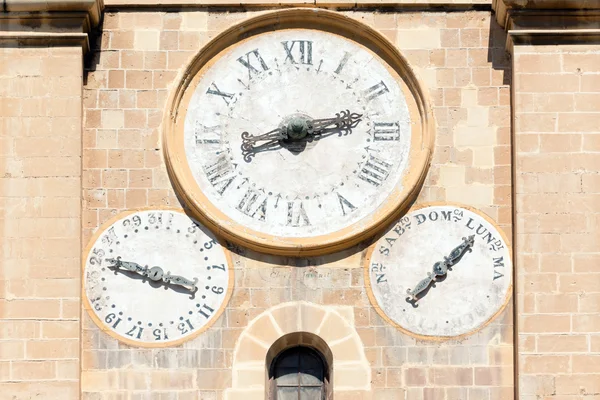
pixel 460 58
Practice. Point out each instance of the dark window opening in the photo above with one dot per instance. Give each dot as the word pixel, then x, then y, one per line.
pixel 299 373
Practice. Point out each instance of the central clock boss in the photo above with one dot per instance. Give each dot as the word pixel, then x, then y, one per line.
pixel 298 133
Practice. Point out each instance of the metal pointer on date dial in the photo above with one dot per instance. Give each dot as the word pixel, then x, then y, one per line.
pixel 155 273
pixel 299 128
pixel 440 268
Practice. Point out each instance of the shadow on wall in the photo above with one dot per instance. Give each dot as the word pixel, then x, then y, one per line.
pixel 497 54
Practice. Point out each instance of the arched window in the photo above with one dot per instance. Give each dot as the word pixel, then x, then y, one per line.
pixel 299 373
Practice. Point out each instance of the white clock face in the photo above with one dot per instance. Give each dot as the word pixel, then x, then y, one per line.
pixel 155 277
pixel 309 184
pixel 441 271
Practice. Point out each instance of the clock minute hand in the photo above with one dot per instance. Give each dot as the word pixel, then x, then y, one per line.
pixel 344 121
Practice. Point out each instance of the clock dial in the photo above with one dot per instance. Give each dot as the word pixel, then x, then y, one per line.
pixel 440 271
pixel 155 278
pixel 294 139
pixel 318 183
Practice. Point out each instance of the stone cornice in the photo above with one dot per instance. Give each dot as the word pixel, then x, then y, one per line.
pixel 93 8
pixel 553 36
pixel 549 21
pixel 547 14
pixel 49 22
pixel 404 4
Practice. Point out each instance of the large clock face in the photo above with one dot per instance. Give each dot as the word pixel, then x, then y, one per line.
pixel 155 278
pixel 296 135
pixel 319 183
pixel 440 272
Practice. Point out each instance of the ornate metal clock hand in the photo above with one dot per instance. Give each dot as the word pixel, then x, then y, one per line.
pixel 249 150
pixel 298 129
pixel 155 273
pixel 344 121
pixel 420 287
pixel 276 134
pixel 181 281
pixel 460 250
pixel 130 266
pixel 440 268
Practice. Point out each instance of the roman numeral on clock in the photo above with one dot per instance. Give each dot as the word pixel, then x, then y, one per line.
pixel 383 131
pixel 343 62
pixel 220 173
pixel 346 206
pixel 246 62
pixel 296 214
pixel 375 170
pixel 207 134
pixel 375 91
pixel 253 204
pixel 217 92
pixel 304 51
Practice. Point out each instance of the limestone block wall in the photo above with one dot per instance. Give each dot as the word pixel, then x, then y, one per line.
pixel 557 115
pixel 40 220
pixel 460 59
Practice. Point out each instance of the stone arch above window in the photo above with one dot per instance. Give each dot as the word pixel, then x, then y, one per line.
pixel 292 324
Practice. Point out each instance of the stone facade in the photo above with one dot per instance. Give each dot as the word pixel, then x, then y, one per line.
pixel 40 200
pixel 557 114
pixel 516 105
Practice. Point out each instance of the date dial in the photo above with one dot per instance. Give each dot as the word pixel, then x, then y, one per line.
pixel 155 278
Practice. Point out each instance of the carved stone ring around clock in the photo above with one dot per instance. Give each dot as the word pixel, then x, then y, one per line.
pixel 440 268
pixel 155 273
pixel 299 128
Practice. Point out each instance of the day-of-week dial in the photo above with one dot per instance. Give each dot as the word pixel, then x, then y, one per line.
pixel 440 271
pixel 155 277
pixel 297 132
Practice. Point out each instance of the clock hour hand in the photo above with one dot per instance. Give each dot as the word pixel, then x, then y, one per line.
pixel 249 150
pixel 155 273
pixel 249 140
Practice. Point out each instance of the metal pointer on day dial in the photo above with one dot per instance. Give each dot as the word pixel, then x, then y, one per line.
pixel 299 128
pixel 440 268
pixel 155 273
